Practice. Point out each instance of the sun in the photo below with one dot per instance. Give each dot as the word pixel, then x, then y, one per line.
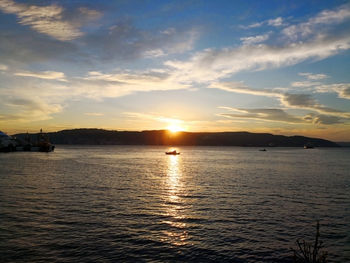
pixel 174 128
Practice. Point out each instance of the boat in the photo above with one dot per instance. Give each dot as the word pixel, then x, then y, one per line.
pixel 43 144
pixel 262 150
pixel 308 146
pixel 7 143
pixel 11 144
pixel 172 153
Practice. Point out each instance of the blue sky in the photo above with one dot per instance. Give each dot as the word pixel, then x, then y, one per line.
pixel 262 66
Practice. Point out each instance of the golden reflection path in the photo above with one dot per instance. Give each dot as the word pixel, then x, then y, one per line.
pixel 177 232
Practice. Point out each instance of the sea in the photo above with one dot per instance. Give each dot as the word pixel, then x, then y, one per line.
pixel 208 204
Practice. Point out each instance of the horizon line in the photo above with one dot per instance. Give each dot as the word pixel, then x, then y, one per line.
pixel 177 132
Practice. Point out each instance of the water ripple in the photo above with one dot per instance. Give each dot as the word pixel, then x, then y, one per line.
pixel 134 204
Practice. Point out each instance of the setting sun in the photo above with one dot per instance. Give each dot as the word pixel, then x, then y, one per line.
pixel 174 128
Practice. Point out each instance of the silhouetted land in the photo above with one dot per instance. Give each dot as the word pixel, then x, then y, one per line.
pixel 344 144
pixel 164 137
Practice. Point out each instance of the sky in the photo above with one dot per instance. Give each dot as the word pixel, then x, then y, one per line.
pixel 280 67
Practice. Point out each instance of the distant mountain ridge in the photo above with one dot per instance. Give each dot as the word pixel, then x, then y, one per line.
pixel 343 144
pixel 164 137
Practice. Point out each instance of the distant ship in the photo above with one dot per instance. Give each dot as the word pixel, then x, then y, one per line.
pixel 308 146
pixel 7 143
pixel 11 144
pixel 172 153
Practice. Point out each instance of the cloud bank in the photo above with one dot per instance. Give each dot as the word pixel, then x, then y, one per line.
pixel 318 24
pixel 210 65
pixel 48 20
pixel 52 75
pixel 60 35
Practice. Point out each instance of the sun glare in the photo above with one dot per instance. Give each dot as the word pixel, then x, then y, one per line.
pixel 174 128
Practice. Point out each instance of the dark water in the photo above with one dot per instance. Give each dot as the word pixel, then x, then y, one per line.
pixel 136 204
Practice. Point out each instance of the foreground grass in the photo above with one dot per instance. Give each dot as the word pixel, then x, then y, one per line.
pixel 307 252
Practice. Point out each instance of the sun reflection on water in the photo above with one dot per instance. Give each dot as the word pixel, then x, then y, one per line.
pixel 174 175
pixel 177 232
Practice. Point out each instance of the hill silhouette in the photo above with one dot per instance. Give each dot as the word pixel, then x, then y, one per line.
pixel 164 137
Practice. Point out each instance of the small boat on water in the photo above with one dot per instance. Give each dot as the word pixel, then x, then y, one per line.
pixel 262 150
pixel 172 153
pixel 308 146
pixel 42 144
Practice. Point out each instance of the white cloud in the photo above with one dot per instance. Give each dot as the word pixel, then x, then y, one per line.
pixel 47 20
pixel 342 89
pixel 305 84
pixel 254 39
pixel 89 13
pixel 280 115
pixel 154 53
pixel 254 25
pixel 141 78
pixel 31 99
pixel 124 41
pixel 23 109
pixel 311 76
pixel 332 16
pixel 3 67
pixel 311 80
pixel 94 114
pixel 275 115
pixel 240 87
pixel 182 41
pixel 34 99
pixel 98 85
pixel 345 92
pixel 210 65
pixel 326 17
pixel 170 42
pixel 289 100
pixel 306 101
pixel 50 75
pixel 275 22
